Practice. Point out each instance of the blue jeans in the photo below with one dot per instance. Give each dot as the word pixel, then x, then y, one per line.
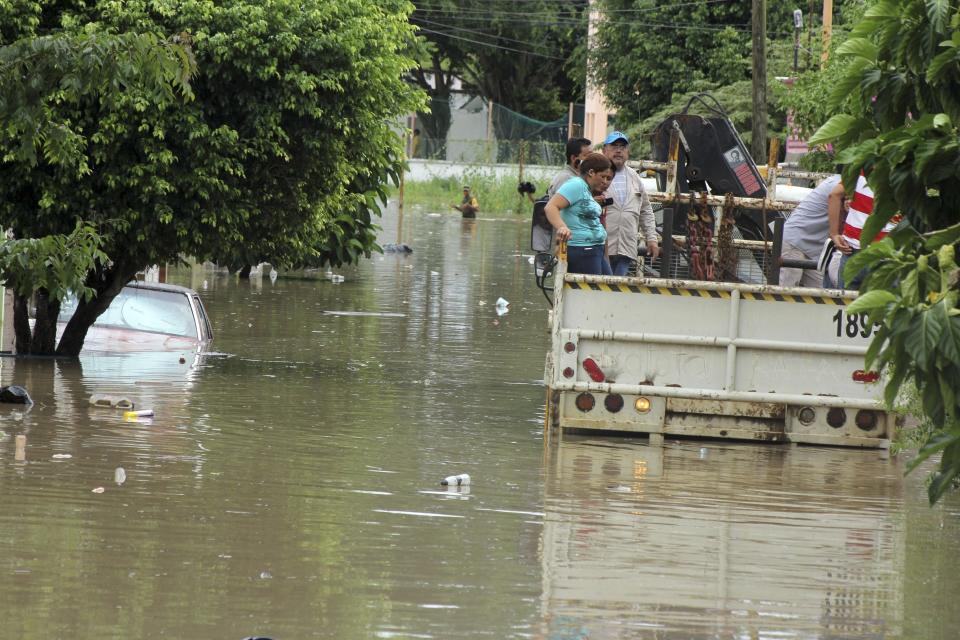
pixel 857 279
pixel 620 265
pixel 588 260
pixel 605 269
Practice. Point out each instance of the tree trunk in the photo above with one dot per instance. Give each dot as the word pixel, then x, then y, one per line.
pixel 244 271
pixel 21 324
pixel 44 341
pixel 107 285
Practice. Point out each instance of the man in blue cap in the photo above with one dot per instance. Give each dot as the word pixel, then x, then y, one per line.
pixel 631 209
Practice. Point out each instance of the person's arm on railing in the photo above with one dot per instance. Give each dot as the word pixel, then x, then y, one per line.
pixel 552 210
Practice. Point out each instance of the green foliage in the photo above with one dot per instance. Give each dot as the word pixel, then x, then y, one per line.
pixel 56 264
pixel 68 70
pixel 287 141
pixel 527 57
pixel 496 196
pixel 900 128
pixel 647 54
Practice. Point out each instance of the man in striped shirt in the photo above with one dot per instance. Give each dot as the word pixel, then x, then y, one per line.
pixel 848 242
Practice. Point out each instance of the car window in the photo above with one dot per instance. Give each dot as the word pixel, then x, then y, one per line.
pixel 144 310
pixel 204 320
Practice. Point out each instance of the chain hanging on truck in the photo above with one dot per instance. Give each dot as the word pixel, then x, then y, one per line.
pixel 700 223
pixel 726 252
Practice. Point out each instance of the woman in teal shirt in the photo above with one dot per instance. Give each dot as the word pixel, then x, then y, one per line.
pixel 575 213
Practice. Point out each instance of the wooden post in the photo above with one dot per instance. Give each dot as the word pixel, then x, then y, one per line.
pixel 772 162
pixel 827 31
pixel 20 448
pixel 758 143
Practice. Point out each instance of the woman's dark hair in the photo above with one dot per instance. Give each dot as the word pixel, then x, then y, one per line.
pixel 595 162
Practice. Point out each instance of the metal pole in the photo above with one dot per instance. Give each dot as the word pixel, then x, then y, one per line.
pixel 827 31
pixel 773 267
pixel 758 142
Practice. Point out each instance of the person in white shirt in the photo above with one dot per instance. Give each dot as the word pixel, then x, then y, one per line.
pixel 807 229
pixel 630 211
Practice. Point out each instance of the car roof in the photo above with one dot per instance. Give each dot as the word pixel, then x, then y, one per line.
pixel 159 286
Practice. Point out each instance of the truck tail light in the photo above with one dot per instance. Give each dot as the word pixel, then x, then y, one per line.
pixel 593 370
pixel 806 415
pixel 613 402
pixel 585 402
pixel 642 405
pixel 865 376
pixel 836 417
pixel 866 420
pixel 569 347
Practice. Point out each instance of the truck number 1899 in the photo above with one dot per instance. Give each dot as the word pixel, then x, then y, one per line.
pixel 852 324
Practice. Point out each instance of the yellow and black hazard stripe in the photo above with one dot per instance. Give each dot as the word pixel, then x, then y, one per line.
pixel 705 293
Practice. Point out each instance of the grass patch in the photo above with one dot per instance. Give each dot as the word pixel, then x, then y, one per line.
pixel 497 196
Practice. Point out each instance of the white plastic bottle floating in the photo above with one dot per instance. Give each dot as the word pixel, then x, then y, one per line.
pixel 456 481
pixel 140 413
pixel 119 475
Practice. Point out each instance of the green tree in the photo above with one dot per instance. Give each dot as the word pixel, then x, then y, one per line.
pixel 901 130
pixel 521 56
pixel 280 155
pixel 47 269
pixel 645 54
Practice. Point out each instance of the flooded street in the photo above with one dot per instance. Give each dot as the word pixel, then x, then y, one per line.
pixel 289 484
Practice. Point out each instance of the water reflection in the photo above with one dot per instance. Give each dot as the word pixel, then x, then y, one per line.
pixel 722 541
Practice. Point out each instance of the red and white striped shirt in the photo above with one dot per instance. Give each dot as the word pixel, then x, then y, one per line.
pixel 860 209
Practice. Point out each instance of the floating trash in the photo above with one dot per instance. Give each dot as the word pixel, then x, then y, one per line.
pixel 119 475
pixel 141 413
pixel 98 490
pixel 110 402
pixel 502 306
pixel 15 394
pixel 456 481
pixel 61 456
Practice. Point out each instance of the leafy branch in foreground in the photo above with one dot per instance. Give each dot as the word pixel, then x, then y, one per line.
pixel 49 268
pixel 901 130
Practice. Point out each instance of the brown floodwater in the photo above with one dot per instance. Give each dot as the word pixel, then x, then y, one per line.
pixel 289 484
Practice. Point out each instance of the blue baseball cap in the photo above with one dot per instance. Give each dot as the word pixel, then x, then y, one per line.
pixel 614 137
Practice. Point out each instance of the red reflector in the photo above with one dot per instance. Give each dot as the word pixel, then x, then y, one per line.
pixel 568 372
pixel 593 370
pixel 865 376
pixel 569 347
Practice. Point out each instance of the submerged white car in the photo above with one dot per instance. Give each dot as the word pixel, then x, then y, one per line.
pixel 146 317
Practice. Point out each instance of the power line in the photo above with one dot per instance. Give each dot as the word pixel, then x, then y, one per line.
pixel 465 30
pixel 489 44
pixel 423 6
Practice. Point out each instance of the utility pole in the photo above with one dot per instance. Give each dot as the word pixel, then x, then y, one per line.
pixel 797 27
pixel 827 31
pixel 809 35
pixel 758 143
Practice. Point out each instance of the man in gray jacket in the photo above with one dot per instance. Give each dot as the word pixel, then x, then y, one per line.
pixel 577 150
pixel 630 211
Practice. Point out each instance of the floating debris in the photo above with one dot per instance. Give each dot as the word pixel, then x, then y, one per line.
pixel 456 481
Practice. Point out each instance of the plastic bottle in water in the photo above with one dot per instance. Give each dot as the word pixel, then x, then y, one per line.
pixel 456 481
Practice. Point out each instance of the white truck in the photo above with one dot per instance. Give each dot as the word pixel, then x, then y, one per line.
pixel 743 359
pixel 711 359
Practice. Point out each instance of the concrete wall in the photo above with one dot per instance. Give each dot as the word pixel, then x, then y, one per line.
pixel 422 170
